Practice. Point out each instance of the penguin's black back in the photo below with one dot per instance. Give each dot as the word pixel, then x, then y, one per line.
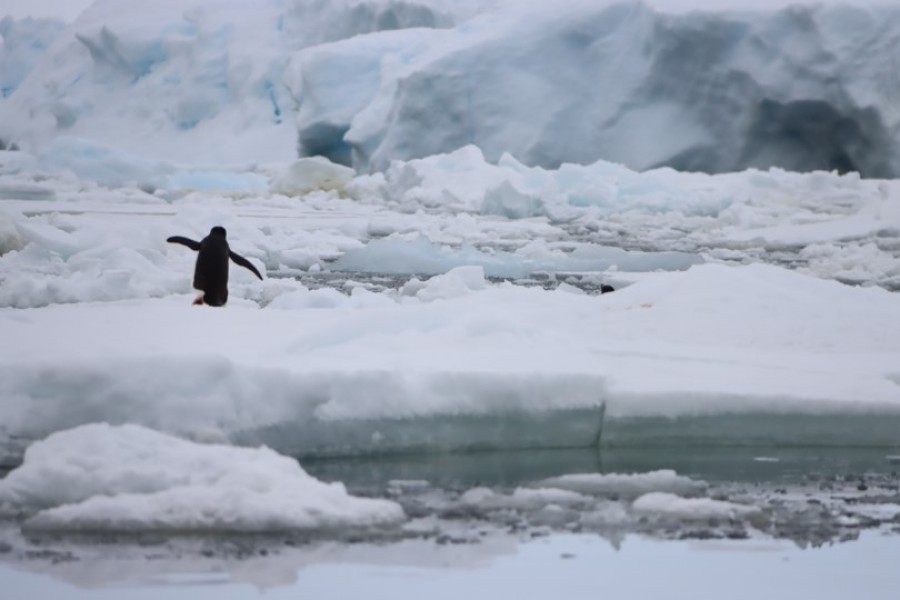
pixel 211 271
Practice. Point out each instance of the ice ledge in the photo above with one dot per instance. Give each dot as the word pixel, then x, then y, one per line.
pixel 854 429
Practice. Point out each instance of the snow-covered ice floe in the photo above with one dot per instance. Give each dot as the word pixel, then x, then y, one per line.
pixel 97 324
pixel 126 478
pixel 627 485
pixel 690 509
pixel 750 354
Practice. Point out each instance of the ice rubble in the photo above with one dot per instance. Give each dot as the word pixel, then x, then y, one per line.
pixel 128 478
pixel 801 87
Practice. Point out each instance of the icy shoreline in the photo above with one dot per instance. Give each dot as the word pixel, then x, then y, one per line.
pixel 138 499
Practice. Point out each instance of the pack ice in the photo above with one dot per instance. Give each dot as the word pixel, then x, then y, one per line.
pixel 420 301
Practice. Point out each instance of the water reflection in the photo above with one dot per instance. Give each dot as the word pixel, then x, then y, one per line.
pixel 574 566
pixel 716 464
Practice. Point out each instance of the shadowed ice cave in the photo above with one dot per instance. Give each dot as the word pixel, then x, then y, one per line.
pixel 812 135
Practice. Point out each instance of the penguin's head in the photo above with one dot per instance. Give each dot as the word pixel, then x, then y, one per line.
pixel 217 230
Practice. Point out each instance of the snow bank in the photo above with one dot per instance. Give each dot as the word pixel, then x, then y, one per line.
pixel 127 478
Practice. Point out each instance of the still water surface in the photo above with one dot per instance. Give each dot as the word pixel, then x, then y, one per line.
pixel 824 551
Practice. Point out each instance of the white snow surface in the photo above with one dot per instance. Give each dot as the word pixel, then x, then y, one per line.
pixel 127 478
pixel 143 121
pixel 97 323
pixel 400 309
pixel 691 84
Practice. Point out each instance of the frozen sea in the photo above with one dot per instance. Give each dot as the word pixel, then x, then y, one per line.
pixel 601 447
pixel 450 404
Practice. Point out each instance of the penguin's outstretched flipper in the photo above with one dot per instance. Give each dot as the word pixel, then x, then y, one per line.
pixel 211 269
pixel 177 239
pixel 240 260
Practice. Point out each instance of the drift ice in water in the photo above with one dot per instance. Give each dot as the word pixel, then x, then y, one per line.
pixel 127 478
pixel 211 271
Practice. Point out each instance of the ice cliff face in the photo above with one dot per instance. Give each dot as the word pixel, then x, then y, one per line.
pixel 801 88
pixel 194 81
pixel 22 43
pixel 364 82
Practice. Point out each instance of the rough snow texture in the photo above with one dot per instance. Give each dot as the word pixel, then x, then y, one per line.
pixel 128 478
pixel 359 81
pixel 718 341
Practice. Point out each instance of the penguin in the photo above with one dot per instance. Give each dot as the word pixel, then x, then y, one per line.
pixel 211 271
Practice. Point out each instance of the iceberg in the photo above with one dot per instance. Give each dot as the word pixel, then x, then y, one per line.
pixel 22 44
pixel 102 478
pixel 646 84
pixel 628 83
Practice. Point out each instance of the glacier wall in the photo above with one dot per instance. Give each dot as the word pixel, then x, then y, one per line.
pixel 22 44
pixel 802 88
pixel 193 81
pixel 365 82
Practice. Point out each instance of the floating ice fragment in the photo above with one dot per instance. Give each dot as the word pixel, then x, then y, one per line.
pixel 629 485
pixel 101 477
pixel 453 284
pixel 522 498
pixel 308 174
pixel 690 509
